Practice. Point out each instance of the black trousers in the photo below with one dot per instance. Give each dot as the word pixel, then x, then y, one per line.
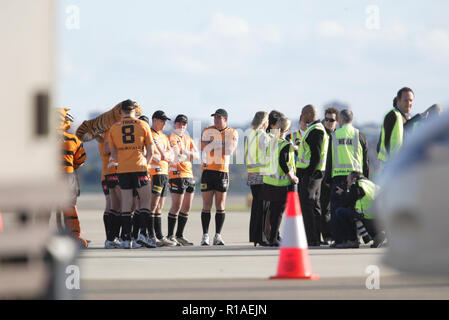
pixel 276 211
pixel 257 221
pixel 325 203
pixel 336 202
pixel 309 195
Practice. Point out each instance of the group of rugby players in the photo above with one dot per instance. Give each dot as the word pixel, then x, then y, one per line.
pixel 140 164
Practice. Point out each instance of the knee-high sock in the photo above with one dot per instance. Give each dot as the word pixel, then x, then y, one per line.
pixel 182 220
pixel 158 225
pixel 135 224
pixel 205 220
pixel 107 219
pixel 171 222
pixel 125 218
pixel 219 220
pixel 116 224
pixel 144 221
pixel 71 221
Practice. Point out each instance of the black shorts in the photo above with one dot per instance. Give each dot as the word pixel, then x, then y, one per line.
pixel 181 185
pixel 111 180
pixel 159 185
pixel 214 181
pixel 105 188
pixel 133 180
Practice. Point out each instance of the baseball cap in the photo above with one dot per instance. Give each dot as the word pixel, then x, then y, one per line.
pixel 159 114
pixel 181 118
pixel 220 112
pixel 144 118
pixel 128 105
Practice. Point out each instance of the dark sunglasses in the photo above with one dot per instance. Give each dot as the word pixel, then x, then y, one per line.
pixel 330 120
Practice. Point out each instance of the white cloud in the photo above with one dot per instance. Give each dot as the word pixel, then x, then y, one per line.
pixel 223 46
pixel 436 41
pixel 189 65
pixel 270 34
pixel 229 26
pixel 331 29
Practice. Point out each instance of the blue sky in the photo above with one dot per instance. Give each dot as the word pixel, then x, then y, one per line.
pixel 194 56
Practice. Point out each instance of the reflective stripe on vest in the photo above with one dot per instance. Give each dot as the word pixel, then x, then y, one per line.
pixel 364 205
pixel 254 157
pixel 395 139
pixel 304 153
pixel 275 176
pixel 347 153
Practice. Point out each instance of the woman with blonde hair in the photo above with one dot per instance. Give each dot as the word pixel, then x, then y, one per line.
pixel 255 160
pixel 279 178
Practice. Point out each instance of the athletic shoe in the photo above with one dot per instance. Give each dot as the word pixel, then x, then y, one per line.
pixel 184 242
pixel 173 239
pixel 142 240
pixel 111 244
pixel 218 240
pixel 135 245
pixel 152 243
pixel 126 244
pixel 205 240
pixel 167 242
pixel 348 244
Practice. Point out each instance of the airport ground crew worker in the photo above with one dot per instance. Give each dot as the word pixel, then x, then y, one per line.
pixel 279 177
pixel 330 124
pixel 357 207
pixel 348 152
pixel 218 143
pixel 255 146
pixel 128 140
pixel 181 180
pixel 73 157
pixel 310 164
pixel 392 132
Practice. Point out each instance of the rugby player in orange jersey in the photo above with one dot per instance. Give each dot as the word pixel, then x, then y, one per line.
pixel 182 184
pixel 111 190
pixel 129 138
pixel 159 179
pixel 218 142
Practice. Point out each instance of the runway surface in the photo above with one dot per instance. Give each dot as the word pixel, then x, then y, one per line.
pixel 237 270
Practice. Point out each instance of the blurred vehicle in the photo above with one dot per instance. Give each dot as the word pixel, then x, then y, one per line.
pixel 33 259
pixel 413 204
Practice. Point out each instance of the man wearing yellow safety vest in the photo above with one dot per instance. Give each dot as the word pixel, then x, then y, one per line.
pixel 348 152
pixel 310 165
pixel 357 210
pixel 392 133
pixel 330 124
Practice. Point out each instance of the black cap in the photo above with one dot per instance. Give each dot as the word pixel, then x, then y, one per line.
pixel 128 105
pixel 159 114
pixel 144 118
pixel 181 118
pixel 220 112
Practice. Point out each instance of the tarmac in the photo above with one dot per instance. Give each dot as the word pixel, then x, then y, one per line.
pixel 238 270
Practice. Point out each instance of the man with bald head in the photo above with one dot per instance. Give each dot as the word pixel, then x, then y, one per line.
pixel 310 164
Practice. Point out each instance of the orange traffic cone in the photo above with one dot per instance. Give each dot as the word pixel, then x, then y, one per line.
pixel 294 260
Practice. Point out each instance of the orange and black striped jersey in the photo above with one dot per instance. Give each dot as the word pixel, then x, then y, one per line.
pixel 213 154
pixel 180 144
pixel 129 137
pixel 73 154
pixel 160 140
